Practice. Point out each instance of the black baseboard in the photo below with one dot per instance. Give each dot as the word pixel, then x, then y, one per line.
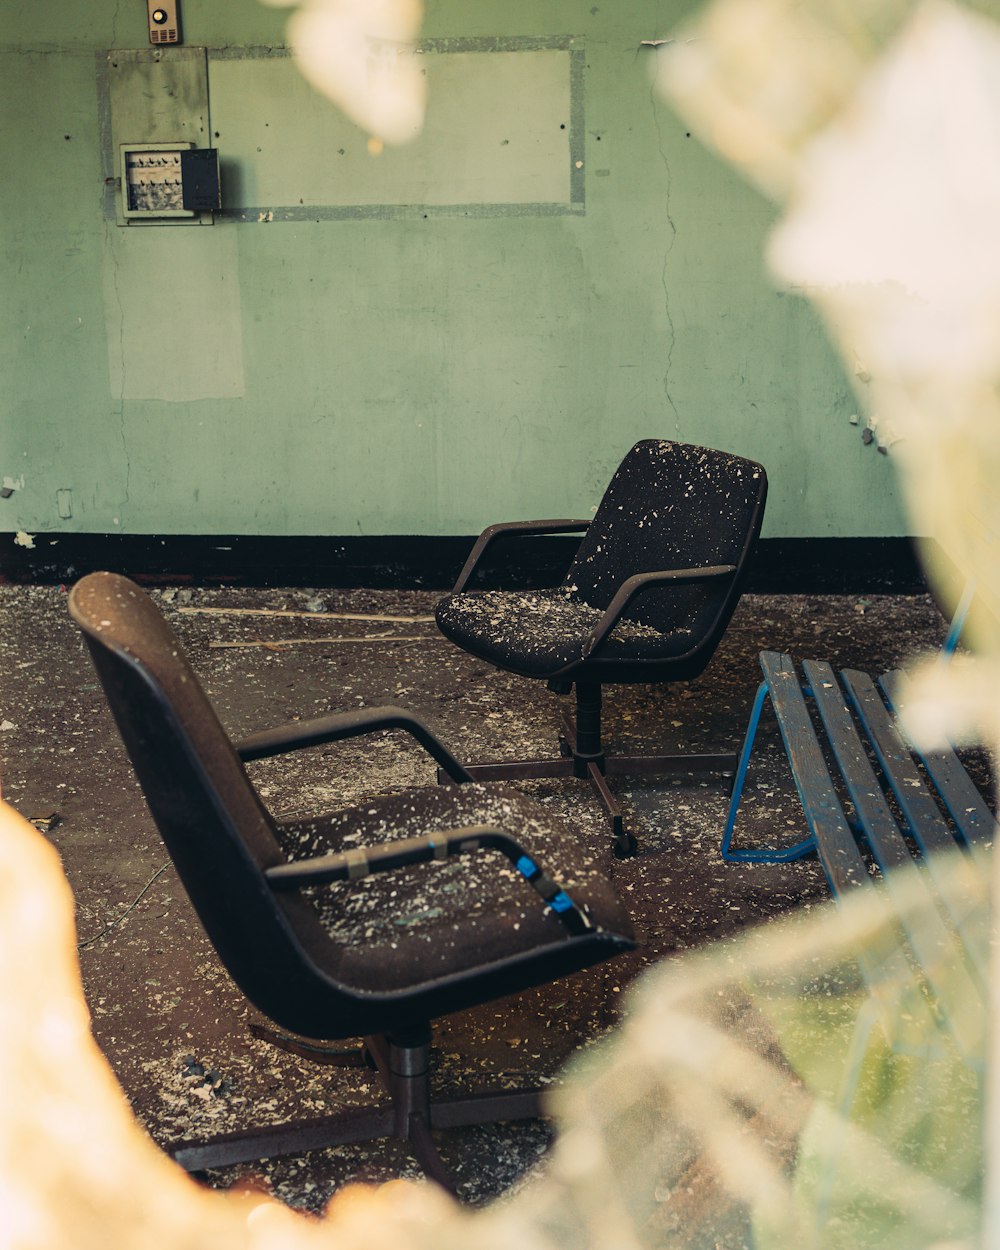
pixel 412 562
pixel 837 566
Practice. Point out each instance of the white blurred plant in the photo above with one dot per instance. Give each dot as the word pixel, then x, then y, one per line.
pixel 362 55
pixel 878 128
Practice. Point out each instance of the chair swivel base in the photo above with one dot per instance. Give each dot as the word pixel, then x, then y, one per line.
pixel 595 768
pixel 409 1116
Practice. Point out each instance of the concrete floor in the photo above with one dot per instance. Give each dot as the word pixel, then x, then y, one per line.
pixel 171 1023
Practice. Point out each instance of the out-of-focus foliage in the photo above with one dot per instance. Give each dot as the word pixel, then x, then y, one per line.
pixel 877 126
pixel 361 54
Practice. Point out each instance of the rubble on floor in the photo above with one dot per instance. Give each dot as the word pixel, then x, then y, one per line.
pixel 172 1024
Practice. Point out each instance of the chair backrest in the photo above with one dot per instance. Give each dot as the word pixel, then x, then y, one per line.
pixel 218 833
pixel 673 505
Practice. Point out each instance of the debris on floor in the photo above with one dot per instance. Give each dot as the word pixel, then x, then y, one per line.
pixel 173 1026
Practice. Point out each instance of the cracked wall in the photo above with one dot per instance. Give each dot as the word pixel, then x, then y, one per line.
pixel 417 371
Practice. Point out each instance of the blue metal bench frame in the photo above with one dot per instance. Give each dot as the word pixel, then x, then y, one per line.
pixel 904 815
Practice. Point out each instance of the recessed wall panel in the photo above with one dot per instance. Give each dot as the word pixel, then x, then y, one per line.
pixel 501 130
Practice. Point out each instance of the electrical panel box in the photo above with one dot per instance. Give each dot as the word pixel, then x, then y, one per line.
pixel 151 180
pixel 157 110
pixel 168 180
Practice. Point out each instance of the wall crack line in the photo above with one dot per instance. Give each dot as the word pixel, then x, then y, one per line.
pixel 112 241
pixel 671 240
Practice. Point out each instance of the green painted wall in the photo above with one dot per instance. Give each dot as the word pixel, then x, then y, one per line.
pixel 395 373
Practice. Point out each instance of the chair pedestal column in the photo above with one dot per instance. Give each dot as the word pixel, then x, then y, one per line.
pixel 585 741
pixel 402 1061
pixel 581 755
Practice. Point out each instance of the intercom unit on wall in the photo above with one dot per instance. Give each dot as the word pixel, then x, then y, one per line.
pixel 164 21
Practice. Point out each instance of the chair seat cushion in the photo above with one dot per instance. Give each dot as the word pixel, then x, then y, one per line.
pixel 537 633
pixel 395 930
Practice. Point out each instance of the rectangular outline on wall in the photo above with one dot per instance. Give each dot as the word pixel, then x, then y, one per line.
pixel 269 214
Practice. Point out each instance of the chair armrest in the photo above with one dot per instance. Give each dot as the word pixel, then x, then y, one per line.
pixel 638 584
pixel 506 529
pixel 351 865
pixel 310 733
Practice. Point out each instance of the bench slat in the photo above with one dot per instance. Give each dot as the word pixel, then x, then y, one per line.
pixel 874 813
pixel 839 852
pixel 935 945
pixel 924 819
pixel 883 962
pixel 926 824
pixel 965 804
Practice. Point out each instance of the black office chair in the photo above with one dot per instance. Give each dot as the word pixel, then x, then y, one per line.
pixel 647 598
pixel 368 922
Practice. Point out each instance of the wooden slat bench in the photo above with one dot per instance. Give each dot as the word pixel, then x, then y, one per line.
pixel 863 790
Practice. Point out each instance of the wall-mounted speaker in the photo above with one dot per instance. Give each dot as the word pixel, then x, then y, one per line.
pixel 164 21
